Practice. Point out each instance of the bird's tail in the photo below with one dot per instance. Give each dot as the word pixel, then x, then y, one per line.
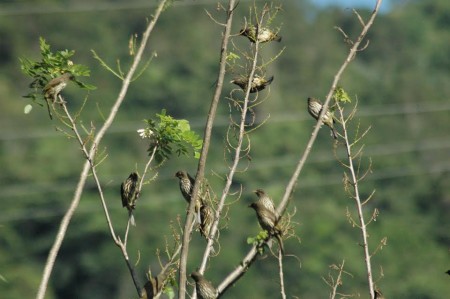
pixel 280 241
pixel 333 133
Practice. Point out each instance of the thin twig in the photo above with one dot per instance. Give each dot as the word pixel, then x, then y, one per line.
pixel 203 156
pixel 338 281
pixel 280 267
pixel 117 241
pixel 359 204
pixel 84 173
pixel 236 158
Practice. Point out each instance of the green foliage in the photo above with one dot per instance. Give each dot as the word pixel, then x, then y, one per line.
pixel 168 135
pixel 340 95
pixel 259 240
pixel 52 65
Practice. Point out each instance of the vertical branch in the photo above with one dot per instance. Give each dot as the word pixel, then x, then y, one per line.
pixel 338 281
pixel 236 158
pixel 356 196
pixel 84 173
pixel 203 156
pixel 280 267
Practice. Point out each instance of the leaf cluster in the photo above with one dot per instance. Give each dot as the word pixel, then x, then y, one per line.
pixel 169 135
pixel 259 240
pixel 51 65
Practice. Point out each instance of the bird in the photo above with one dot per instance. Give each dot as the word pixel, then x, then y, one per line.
pixel 266 201
pixel 264 34
pixel 205 289
pixel 258 83
pixel 268 221
pixel 378 294
pixel 154 286
pixel 186 188
pixel 54 87
pixel 130 193
pixel 206 220
pixel 315 107
pixel 186 184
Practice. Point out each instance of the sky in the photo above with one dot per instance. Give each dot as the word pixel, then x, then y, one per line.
pixel 352 3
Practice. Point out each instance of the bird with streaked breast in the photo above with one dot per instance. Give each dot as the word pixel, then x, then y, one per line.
pixel 264 34
pixel 258 83
pixel 205 289
pixel 54 87
pixel 269 222
pixel 315 107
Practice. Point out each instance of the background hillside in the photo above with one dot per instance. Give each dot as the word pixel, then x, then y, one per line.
pixel 401 82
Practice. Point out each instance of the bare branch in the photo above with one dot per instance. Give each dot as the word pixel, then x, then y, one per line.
pixel 84 173
pixel 338 282
pixel 203 156
pixel 237 152
pixel 280 267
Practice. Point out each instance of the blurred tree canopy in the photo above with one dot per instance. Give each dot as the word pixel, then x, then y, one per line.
pixel 401 83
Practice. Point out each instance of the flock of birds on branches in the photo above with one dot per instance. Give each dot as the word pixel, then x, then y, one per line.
pixel 268 217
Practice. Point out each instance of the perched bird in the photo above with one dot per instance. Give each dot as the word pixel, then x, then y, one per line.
pixel 264 34
pixel 258 83
pixel 266 201
pixel 130 193
pixel 268 221
pixel 314 108
pixel 378 294
pixel 186 184
pixel 56 85
pixel 154 286
pixel 206 220
pixel 205 289
pixel 186 188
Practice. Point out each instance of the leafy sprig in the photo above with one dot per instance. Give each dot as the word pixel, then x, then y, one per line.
pixel 169 135
pixel 51 65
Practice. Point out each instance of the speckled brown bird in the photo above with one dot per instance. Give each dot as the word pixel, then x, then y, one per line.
pixel 186 187
pixel 266 201
pixel 205 289
pixel 258 83
pixel 264 35
pixel 206 220
pixel 268 221
pixel 154 286
pixel 315 107
pixel 130 193
pixel 53 88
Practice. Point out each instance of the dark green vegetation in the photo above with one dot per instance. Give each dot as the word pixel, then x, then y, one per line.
pixel 401 81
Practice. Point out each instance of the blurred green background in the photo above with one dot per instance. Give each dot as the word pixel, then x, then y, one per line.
pixel 401 82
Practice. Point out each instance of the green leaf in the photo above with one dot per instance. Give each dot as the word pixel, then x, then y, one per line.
pixel 168 290
pixel 171 136
pixel 340 95
pixel 51 65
